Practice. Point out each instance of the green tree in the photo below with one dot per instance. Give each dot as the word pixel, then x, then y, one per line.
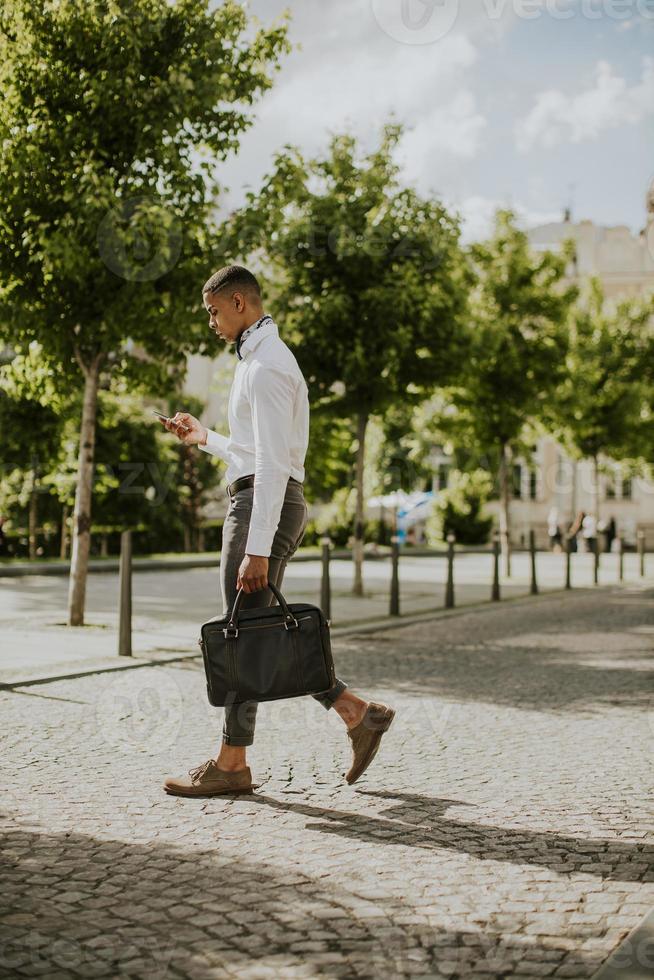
pixel 517 358
pixel 459 509
pixel 194 477
pixel 32 415
pixel 112 120
pixel 142 479
pixel 368 280
pixel 402 461
pixel 328 465
pixel 604 405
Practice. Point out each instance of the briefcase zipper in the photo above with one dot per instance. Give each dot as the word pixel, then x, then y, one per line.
pixel 267 626
pixel 259 626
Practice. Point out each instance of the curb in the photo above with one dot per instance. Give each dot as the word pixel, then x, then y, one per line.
pixel 46 678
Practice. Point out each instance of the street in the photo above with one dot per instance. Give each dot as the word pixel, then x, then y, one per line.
pixel 169 606
pixel 504 829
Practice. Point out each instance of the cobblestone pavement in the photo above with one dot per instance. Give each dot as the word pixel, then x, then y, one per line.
pixel 501 832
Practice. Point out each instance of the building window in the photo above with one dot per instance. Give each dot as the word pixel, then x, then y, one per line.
pixel 533 484
pixel 516 489
pixel 442 474
pixel 626 488
pixel 610 490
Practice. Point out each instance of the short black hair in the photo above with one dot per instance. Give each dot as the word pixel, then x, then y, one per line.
pixel 235 276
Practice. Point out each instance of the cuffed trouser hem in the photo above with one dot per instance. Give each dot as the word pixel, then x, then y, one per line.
pixel 237 739
pixel 327 698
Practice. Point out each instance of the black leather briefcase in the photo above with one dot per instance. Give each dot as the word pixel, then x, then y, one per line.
pixel 267 653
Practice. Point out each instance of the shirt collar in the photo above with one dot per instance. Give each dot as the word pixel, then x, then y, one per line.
pixel 254 334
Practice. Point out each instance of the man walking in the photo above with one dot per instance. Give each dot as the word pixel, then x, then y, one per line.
pixel 268 415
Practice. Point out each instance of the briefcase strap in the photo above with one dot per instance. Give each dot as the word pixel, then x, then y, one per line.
pixel 290 622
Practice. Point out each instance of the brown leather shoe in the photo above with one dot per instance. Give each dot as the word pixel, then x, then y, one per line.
pixel 366 736
pixel 209 780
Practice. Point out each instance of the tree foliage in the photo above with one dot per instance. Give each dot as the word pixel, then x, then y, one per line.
pixel 519 312
pixel 459 509
pixel 604 403
pixel 368 280
pixel 113 118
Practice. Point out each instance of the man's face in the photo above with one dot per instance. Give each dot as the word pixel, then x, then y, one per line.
pixel 226 310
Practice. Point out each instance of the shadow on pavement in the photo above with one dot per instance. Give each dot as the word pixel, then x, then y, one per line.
pixel 77 906
pixel 419 821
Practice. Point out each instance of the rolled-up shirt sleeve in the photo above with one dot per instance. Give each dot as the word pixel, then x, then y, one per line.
pixel 216 445
pixel 272 398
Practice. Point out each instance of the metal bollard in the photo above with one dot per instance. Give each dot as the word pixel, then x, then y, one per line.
pixel 495 592
pixel 568 561
pixel 449 588
pixel 394 606
pixel 125 614
pixel 620 560
pixel 532 552
pixel 641 552
pixel 325 584
pixel 596 555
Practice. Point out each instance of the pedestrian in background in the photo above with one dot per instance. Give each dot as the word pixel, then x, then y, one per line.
pixel 574 529
pixel 554 529
pixel 589 532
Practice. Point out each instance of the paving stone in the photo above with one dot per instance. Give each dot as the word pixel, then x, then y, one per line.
pixel 502 830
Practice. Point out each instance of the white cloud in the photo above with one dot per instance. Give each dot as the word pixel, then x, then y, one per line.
pixel 365 90
pixel 348 75
pixel 454 129
pixel 478 213
pixel 557 117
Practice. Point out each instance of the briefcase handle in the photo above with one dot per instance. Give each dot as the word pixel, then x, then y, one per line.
pixel 289 618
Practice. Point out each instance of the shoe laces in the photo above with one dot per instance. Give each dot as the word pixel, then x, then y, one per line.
pixel 199 771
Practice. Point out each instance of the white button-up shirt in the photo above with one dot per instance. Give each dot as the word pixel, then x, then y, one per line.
pixel 268 416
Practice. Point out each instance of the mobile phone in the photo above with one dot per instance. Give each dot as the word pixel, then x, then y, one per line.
pixel 166 419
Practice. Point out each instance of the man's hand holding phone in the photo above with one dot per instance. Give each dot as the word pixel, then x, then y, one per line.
pixel 187 428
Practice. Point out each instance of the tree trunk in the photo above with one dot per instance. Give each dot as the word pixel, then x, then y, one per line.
pixel 33 517
pixel 357 550
pixel 79 562
pixel 63 549
pixel 505 497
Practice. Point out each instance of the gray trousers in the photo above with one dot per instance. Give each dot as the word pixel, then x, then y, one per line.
pixel 240 719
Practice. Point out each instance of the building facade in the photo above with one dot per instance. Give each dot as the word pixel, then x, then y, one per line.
pixel 624 263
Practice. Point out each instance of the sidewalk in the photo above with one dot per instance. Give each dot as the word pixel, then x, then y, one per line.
pixel 503 830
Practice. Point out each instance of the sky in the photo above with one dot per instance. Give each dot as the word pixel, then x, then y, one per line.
pixel 533 104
